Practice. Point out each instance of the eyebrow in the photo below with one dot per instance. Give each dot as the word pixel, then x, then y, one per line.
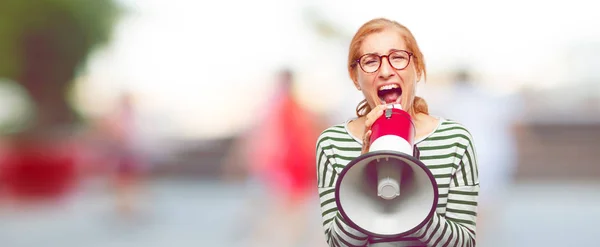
pixel 377 53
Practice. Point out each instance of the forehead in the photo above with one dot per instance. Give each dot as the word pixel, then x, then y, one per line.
pixel 384 41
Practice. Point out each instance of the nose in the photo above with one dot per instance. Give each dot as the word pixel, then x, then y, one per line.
pixel 386 70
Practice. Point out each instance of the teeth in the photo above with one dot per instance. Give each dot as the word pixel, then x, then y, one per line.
pixel 387 87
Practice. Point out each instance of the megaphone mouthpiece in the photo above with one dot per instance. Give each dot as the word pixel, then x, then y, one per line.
pixel 388 179
pixel 388 188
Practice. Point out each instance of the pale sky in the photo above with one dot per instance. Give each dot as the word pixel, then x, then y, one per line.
pixel 205 66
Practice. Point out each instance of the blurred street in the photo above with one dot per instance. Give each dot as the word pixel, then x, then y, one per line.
pixel 202 213
pixel 174 213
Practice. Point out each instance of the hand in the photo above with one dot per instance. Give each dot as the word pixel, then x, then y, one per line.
pixel 373 115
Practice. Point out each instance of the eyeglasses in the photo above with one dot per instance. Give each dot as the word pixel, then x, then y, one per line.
pixel 371 62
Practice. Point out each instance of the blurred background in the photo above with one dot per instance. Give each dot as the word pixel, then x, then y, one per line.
pixel 152 123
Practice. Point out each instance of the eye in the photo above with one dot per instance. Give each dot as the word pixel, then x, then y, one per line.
pixel 370 60
pixel 399 56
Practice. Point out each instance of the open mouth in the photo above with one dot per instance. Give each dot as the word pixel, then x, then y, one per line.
pixel 389 93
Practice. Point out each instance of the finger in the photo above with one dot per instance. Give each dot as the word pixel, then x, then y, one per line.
pixel 367 136
pixel 376 112
pixel 374 115
pixel 381 109
pixel 368 123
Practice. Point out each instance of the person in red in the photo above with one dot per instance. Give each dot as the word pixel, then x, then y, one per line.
pixel 279 152
pixel 285 145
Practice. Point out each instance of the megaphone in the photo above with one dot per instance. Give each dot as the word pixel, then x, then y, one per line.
pixel 387 192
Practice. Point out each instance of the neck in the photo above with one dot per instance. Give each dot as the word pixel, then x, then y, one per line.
pixel 418 118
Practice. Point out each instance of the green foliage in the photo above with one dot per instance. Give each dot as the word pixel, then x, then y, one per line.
pixel 71 28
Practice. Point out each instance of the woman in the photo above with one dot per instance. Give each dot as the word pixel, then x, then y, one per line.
pixel 279 153
pixel 385 63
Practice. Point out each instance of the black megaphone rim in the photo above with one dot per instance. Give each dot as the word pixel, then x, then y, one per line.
pixel 386 152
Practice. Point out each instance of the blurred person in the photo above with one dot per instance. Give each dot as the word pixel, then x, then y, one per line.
pixel 278 152
pixel 385 64
pixel 491 119
pixel 125 154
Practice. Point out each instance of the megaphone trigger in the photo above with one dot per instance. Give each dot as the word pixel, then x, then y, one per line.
pixel 388 113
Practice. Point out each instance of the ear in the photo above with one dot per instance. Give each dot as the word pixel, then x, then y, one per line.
pixel 417 76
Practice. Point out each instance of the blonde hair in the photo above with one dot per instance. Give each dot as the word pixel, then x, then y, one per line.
pixel 374 26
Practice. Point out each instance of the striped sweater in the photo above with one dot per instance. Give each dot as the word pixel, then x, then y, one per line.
pixel 450 155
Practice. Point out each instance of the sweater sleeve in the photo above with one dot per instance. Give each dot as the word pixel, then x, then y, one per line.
pixel 337 232
pixel 457 226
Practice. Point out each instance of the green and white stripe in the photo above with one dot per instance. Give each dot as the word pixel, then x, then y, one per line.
pixel 448 152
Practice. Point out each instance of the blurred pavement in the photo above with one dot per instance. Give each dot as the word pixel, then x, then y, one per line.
pixel 203 213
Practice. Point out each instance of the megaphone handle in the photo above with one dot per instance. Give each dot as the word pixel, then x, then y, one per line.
pixel 416 152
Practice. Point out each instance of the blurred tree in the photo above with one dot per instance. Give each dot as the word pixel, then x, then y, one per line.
pixel 43 43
